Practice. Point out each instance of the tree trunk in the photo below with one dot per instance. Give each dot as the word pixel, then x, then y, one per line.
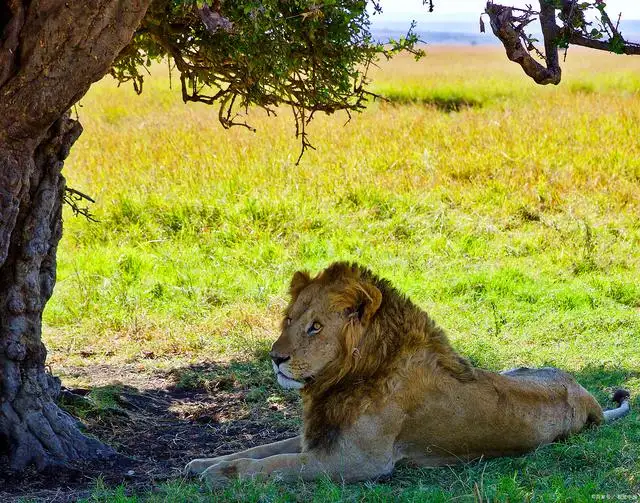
pixel 50 53
pixel 33 430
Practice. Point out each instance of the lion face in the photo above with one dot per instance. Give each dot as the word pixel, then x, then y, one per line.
pixel 320 326
pixel 309 338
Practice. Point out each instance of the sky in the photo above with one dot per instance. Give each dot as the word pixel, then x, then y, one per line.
pixel 469 10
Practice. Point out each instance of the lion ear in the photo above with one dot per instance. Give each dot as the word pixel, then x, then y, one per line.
pixel 359 300
pixel 298 283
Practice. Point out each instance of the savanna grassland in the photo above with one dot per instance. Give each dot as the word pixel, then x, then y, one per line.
pixel 509 211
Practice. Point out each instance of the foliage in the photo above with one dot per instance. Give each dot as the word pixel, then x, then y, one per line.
pixel 310 56
pixel 575 18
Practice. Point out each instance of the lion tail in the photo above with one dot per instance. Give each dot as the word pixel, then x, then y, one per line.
pixel 622 398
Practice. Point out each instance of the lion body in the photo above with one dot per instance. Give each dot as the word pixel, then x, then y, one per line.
pixel 381 384
pixel 493 415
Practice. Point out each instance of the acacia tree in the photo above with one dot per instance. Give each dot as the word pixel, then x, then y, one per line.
pixel 312 57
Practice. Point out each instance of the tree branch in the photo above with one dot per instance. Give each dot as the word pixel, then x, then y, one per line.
pixel 629 48
pixel 503 25
pixel 508 24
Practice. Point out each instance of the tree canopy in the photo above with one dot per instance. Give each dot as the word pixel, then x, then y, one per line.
pixel 309 56
pixel 314 56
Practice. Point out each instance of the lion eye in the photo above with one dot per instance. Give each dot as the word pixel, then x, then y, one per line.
pixel 315 327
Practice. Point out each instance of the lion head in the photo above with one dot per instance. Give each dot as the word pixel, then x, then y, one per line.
pixel 323 324
pixel 346 336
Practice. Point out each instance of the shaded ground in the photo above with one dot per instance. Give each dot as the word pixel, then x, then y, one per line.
pixel 160 421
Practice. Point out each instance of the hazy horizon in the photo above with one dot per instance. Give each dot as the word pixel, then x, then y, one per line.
pixel 470 10
pixel 461 32
pixel 458 22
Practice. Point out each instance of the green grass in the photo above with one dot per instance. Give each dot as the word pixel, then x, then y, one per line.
pixel 101 401
pixel 510 212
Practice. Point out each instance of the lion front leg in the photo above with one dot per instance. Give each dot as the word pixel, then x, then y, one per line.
pixel 290 445
pixel 306 466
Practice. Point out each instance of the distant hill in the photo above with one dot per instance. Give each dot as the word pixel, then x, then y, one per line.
pixel 465 33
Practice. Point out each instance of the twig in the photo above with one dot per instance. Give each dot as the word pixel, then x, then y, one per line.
pixel 73 198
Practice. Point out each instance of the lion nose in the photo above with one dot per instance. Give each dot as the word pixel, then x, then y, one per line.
pixel 278 359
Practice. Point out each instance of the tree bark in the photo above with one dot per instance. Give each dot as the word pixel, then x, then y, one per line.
pixel 50 53
pixel 33 430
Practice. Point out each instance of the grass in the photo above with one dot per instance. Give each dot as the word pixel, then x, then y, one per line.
pixel 100 402
pixel 509 211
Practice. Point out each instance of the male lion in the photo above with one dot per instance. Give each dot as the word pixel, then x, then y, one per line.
pixel 380 383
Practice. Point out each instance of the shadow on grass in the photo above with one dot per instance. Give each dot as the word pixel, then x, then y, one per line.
pixel 603 380
pixel 159 421
pixel 215 408
pixel 193 411
pixel 444 103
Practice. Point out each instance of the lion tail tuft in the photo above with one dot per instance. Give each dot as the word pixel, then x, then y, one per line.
pixel 623 398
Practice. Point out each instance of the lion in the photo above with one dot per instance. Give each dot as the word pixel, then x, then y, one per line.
pixel 381 384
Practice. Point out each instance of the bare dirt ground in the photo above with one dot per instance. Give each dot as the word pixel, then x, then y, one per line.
pixel 157 425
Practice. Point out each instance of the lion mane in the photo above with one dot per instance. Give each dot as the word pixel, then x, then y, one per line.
pixel 370 358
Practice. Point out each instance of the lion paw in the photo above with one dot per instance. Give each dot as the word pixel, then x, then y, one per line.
pixel 198 466
pixel 220 474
